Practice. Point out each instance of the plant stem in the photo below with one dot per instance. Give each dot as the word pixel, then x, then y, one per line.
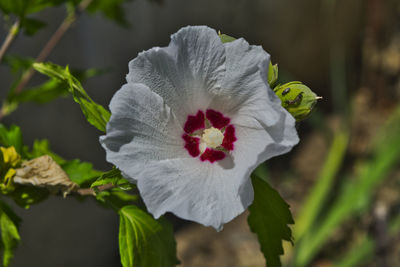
pixel 12 33
pixel 45 52
pixel 91 191
pixel 51 43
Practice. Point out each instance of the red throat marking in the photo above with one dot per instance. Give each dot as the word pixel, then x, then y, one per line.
pixel 198 122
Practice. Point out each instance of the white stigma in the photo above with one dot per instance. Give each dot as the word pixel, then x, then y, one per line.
pixel 212 137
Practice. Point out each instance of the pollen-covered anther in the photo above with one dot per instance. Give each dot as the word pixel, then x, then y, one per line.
pixel 212 137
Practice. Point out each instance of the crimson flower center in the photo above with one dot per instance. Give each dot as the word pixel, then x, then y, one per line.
pixel 209 136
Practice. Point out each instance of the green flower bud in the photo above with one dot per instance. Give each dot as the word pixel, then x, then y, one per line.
pixel 296 98
pixel 272 74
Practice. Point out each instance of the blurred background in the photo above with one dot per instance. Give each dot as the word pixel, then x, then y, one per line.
pixel 342 181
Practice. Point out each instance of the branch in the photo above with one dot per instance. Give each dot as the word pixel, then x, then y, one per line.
pixel 12 33
pixel 51 43
pixel 45 52
pixel 91 191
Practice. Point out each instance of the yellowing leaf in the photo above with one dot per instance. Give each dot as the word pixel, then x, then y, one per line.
pixel 10 156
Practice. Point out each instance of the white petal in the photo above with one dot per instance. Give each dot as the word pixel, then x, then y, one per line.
pixel 258 142
pixel 213 194
pixel 164 86
pixel 210 194
pixel 244 88
pixel 142 128
pixel 186 72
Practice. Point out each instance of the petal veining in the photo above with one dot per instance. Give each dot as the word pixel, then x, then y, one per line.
pixel 193 122
pixel 186 73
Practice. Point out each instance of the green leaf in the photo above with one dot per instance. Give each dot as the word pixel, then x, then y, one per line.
pixel 9 232
pixel 11 137
pixel 111 9
pixel 18 63
pixel 115 198
pixel 31 26
pixel 226 38
pixel 25 196
pixel 22 8
pixel 269 218
pixel 79 172
pixel 94 113
pixel 44 93
pixel 42 147
pixel 49 90
pixel 144 241
pixel 113 177
pixel 110 177
pixel 272 75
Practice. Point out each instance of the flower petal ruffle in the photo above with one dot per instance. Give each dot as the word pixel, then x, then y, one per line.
pixel 196 72
pixel 184 73
pixel 210 194
pixel 142 128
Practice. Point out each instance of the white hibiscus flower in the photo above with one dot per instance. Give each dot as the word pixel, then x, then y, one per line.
pixel 193 122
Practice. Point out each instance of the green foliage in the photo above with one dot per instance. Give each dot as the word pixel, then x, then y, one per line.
pixel 365 248
pixel 94 113
pixel 320 192
pixel 44 93
pixel 79 172
pixel 144 241
pixel 272 74
pixel 113 177
pixel 31 26
pixel 10 238
pixel 42 147
pixel 47 91
pixel 11 137
pixel 25 196
pixel 111 9
pixel 18 66
pixel 115 198
pixel 361 253
pixel 355 196
pixel 269 218
pixel 18 63
pixel 22 8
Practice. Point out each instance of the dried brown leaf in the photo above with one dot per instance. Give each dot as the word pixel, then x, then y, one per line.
pixel 45 172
